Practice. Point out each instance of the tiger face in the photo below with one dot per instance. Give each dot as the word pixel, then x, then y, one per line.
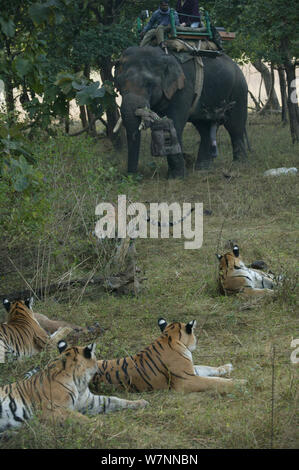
pixel 182 332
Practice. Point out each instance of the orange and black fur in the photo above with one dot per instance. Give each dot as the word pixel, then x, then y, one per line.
pixel 235 277
pixel 165 364
pixel 59 391
pixel 21 335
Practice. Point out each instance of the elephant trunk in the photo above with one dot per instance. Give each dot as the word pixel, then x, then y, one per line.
pixel 130 103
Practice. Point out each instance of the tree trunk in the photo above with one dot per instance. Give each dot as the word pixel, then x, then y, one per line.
pixel 266 74
pixel 290 69
pixel 8 93
pixel 67 120
pixel 91 122
pixel 83 116
pixel 283 93
pixel 8 83
pixel 269 102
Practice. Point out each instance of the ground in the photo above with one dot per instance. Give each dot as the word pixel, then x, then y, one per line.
pixel 262 215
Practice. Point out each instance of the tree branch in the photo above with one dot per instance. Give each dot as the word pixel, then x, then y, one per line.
pixel 85 129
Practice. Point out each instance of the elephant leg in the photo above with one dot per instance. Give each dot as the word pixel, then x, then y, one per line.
pixel 176 163
pixel 236 127
pixel 133 151
pixel 208 147
pixel 179 113
pixel 238 144
pixel 176 166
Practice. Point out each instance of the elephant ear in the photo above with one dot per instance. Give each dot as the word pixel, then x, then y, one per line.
pixel 173 77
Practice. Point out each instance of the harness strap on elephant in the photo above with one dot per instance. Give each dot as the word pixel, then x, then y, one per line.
pixel 187 50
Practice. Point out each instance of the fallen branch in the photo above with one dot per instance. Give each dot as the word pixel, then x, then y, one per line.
pixel 85 129
pixel 120 277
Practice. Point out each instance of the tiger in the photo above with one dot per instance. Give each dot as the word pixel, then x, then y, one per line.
pixel 59 391
pixel 22 336
pixel 49 325
pixel 166 364
pixel 235 277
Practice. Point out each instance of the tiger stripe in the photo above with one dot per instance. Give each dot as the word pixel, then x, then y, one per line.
pixel 235 277
pixel 58 389
pixel 22 335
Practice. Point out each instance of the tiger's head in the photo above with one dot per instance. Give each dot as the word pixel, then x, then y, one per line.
pixel 230 260
pixel 177 331
pixel 78 361
pixel 18 307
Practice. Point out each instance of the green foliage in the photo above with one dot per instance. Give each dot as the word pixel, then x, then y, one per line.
pixel 21 174
pixel 86 91
pixel 15 157
pixel 260 26
pixel 8 27
pixel 22 203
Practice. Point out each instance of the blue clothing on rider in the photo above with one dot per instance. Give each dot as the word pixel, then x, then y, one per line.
pixel 160 17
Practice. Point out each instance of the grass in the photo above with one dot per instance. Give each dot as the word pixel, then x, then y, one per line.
pixel 262 215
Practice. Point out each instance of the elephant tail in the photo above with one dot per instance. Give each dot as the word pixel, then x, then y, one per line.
pixel 247 140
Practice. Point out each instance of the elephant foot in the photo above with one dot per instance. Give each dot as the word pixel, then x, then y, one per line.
pixel 240 159
pixel 173 174
pixel 176 167
pixel 203 165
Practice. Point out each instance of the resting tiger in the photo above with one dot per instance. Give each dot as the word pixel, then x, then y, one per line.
pixel 51 326
pixel 22 336
pixel 235 277
pixel 59 391
pixel 165 364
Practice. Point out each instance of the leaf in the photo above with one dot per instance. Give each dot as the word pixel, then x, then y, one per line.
pixel 20 183
pixel 23 66
pixel 78 86
pixel 39 12
pixel 8 27
pixel 89 93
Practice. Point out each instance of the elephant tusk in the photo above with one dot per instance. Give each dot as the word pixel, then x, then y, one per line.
pixel 141 125
pixel 117 125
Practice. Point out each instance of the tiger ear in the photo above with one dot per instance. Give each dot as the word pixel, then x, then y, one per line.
pixel 62 345
pixel 6 304
pixel 29 302
pixel 162 324
pixel 218 256
pixel 236 251
pixel 88 350
pixel 190 326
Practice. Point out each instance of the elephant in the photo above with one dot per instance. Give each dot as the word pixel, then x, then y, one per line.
pixel 149 77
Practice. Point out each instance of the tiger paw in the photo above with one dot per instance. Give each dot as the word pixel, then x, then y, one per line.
pixel 240 381
pixel 140 404
pixel 226 369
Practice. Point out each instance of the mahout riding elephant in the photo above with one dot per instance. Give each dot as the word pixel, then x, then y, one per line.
pixel 148 77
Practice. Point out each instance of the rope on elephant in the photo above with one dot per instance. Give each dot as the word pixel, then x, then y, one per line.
pixel 180 46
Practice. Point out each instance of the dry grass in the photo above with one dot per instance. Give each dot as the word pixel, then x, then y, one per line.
pixel 262 215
